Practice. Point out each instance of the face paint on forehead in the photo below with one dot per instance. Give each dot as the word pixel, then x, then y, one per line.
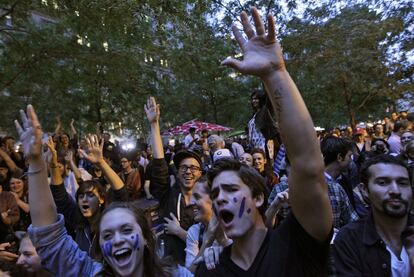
pixel 241 210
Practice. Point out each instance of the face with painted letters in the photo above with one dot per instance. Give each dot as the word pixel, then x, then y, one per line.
pixel 122 242
pixel 236 208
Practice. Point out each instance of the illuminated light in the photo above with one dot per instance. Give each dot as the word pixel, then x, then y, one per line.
pixel 105 46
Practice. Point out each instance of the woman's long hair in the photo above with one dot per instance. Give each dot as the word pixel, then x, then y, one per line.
pixel 153 265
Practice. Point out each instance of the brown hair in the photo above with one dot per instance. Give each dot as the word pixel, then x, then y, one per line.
pixel 249 176
pixel 153 265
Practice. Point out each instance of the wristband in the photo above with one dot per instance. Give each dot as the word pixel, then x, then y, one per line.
pixel 35 172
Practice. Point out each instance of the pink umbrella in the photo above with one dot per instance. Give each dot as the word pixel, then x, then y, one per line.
pixel 199 125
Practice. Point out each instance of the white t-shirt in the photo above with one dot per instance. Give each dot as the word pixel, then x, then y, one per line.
pixel 71 185
pixel 188 139
pixel 192 248
pixel 399 268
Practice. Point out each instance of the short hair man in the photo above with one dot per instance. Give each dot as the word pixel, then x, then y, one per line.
pixel 337 154
pixel 373 246
pixel 395 138
pixel 174 200
pixel 131 178
pixel 299 247
pixel 191 138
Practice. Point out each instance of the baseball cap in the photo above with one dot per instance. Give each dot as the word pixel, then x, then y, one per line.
pixel 184 154
pixel 221 154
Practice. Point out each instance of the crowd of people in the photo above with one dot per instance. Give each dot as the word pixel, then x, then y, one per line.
pixel 288 201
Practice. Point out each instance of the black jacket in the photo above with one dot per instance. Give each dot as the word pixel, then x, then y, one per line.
pixel 168 199
pixel 359 250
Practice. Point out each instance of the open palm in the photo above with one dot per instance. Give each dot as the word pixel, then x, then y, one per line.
pixel 95 153
pixel 261 53
pixel 30 134
pixel 152 109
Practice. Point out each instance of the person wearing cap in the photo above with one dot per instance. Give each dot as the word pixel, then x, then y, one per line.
pixel 217 148
pixel 174 200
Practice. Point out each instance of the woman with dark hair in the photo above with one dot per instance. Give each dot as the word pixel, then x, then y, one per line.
pixel 125 238
pixel 263 167
pixel 82 213
pixel 18 187
pixel 263 128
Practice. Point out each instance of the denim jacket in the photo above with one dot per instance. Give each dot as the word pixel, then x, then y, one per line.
pixel 59 252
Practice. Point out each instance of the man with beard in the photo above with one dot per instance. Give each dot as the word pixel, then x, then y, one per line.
pixel 374 246
pixel 174 200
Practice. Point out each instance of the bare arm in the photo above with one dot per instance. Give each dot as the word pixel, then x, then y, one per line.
pixel 274 208
pixel 9 162
pixel 42 207
pixel 308 190
pixel 152 109
pixel 73 167
pixel 58 127
pixel 55 176
pixel 73 131
pixel 95 156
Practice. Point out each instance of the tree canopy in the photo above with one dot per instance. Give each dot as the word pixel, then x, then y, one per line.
pixel 99 60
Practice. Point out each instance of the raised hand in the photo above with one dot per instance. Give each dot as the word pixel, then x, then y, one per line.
pixel 51 144
pixel 262 53
pixel 69 156
pixel 31 133
pixel 152 109
pixel 95 147
pixel 6 256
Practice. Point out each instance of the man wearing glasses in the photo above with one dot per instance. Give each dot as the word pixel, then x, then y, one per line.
pixel 174 200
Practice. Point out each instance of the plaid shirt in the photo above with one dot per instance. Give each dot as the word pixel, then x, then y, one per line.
pixel 343 212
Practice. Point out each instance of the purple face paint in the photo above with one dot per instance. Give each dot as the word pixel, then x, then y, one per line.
pixel 136 243
pixel 241 211
pixel 234 199
pixel 107 249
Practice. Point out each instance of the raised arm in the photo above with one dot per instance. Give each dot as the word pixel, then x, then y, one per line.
pixel 152 109
pixel 55 175
pixel 73 131
pixel 308 191
pixel 72 165
pixel 159 169
pixel 95 156
pixel 10 163
pixel 42 207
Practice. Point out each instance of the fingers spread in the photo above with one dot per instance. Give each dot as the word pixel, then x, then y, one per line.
pixel 19 128
pixel 260 30
pixel 233 63
pixel 239 36
pixel 247 27
pixel 24 119
pixel 271 35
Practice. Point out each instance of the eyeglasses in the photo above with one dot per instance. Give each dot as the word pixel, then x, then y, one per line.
pixel 193 168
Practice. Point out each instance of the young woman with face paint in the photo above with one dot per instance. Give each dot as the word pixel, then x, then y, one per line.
pixel 124 237
pixel 82 216
pixel 207 231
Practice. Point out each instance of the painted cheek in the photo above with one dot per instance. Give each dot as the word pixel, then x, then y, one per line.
pixel 242 206
pixel 235 200
pixel 107 249
pixel 135 238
